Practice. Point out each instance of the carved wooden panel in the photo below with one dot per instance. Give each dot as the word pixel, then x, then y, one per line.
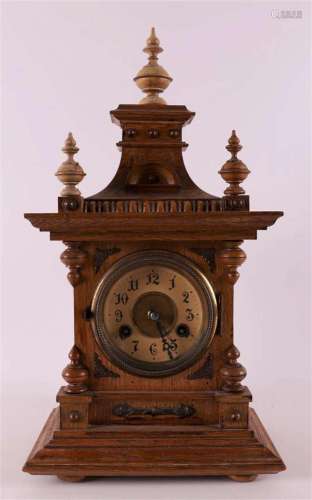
pixel 101 254
pixel 208 255
pixel 100 370
pixel 205 371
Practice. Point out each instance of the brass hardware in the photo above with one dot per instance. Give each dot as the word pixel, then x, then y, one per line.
pixel 131 132
pixel 153 133
pixel 174 133
pixel 74 416
pixel 70 204
pixel 236 416
pixel 180 411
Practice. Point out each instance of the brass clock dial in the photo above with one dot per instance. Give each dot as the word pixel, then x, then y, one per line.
pixel 154 313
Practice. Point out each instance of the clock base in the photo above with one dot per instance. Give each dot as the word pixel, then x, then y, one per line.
pixel 154 450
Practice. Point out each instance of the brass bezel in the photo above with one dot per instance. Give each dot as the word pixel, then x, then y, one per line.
pixel 138 259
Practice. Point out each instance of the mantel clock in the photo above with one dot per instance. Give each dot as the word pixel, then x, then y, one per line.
pixel 153 386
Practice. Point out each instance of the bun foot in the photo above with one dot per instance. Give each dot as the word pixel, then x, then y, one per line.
pixel 72 479
pixel 244 478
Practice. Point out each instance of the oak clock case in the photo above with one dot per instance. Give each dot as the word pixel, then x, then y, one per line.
pixel 153 386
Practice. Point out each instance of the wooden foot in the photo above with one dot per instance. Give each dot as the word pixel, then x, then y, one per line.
pixel 244 478
pixel 72 479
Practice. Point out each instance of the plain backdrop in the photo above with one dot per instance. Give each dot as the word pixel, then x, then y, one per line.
pixel 239 65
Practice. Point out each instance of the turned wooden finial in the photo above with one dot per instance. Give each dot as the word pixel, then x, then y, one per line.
pixel 70 172
pixel 234 171
pixel 232 372
pixel 231 257
pixel 74 258
pixel 152 79
pixel 75 374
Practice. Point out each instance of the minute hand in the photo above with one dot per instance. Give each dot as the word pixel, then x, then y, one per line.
pixel 163 335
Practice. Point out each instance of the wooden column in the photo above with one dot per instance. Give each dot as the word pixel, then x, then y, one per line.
pixel 233 398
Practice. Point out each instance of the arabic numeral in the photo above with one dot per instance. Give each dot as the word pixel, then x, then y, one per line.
pixel 172 282
pixel 118 315
pixel 133 285
pixel 121 298
pixel 153 349
pixel 152 278
pixel 186 296
pixel 135 346
pixel 170 345
pixel 189 314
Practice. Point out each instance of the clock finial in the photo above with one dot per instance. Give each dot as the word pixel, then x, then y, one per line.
pixel 152 79
pixel 234 171
pixel 70 172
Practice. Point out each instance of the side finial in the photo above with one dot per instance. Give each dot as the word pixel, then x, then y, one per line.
pixel 234 145
pixel 232 373
pixel 70 172
pixel 234 171
pixel 152 79
pixel 75 374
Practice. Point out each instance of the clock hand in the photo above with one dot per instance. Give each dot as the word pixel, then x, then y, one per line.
pixel 165 342
pixel 155 316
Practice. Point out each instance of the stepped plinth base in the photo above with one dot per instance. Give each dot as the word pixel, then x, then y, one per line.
pixel 154 450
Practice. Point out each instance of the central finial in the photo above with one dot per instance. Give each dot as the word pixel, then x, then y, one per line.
pixel 152 78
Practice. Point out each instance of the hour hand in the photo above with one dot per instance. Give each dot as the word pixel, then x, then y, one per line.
pixel 155 316
pixel 167 346
pixel 161 329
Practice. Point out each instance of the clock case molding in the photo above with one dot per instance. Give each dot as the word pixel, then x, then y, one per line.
pixel 197 422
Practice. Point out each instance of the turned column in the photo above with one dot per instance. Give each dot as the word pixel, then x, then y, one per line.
pixel 75 374
pixel 70 174
pixel 230 258
pixel 233 397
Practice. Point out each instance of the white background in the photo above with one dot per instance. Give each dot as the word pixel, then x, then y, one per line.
pixel 65 65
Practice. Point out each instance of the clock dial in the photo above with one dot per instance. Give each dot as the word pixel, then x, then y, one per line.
pixel 154 312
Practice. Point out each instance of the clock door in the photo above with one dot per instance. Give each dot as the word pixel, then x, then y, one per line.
pixel 154 313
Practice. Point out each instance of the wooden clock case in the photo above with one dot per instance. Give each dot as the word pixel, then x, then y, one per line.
pixel 109 422
pixel 153 204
